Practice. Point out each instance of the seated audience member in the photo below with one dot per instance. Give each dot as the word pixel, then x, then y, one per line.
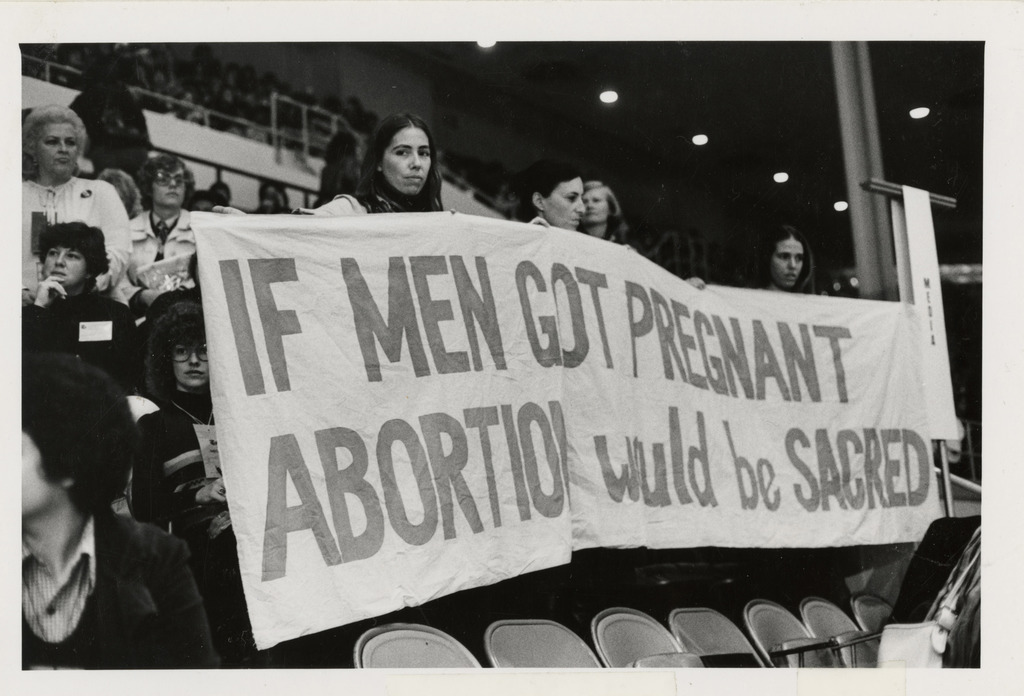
pixel 602 215
pixel 204 201
pixel 69 317
pixel 550 194
pixel 177 480
pixel 273 200
pixel 340 174
pixel 52 138
pixel 223 190
pixel 99 591
pixel 162 232
pixel 784 261
pixel 126 189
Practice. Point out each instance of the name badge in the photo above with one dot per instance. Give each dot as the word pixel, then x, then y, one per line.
pixel 207 435
pixel 89 331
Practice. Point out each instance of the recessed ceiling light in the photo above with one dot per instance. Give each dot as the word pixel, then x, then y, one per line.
pixel 486 44
pixel 781 177
pixel 920 112
pixel 840 206
pixel 609 96
pixel 854 282
pixel 700 139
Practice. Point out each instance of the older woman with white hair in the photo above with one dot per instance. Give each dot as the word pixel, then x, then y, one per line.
pixel 52 137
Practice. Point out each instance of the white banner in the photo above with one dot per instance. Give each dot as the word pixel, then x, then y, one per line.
pixel 402 399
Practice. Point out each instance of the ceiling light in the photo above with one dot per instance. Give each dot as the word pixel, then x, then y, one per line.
pixel 781 177
pixel 854 282
pixel 700 140
pixel 609 96
pixel 920 112
pixel 840 206
pixel 486 44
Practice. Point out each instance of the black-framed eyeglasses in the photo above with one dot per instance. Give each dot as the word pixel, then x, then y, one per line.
pixel 162 178
pixel 182 353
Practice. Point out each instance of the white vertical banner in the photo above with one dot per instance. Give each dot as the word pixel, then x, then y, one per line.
pixel 920 284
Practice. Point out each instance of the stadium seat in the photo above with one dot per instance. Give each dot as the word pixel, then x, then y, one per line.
pixel 401 645
pixel 673 660
pixel 538 643
pixel 714 638
pixel 825 620
pixel 622 636
pixel 781 639
pixel 871 612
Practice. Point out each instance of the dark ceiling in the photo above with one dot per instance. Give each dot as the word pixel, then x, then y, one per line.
pixel 766 106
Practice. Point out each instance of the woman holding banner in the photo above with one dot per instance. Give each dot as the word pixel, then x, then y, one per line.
pixel 397 176
pixel 177 482
pixel 550 194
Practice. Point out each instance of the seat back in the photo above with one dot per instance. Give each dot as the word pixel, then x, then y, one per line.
pixel 770 624
pixel 825 620
pixel 703 631
pixel 536 643
pixel 669 661
pixel 622 636
pixel 871 612
pixel 398 645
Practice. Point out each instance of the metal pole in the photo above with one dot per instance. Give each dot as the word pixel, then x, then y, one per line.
pixel 862 157
pixel 305 132
pixel 273 127
pixel 947 490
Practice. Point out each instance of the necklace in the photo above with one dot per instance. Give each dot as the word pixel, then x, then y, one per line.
pixel 196 420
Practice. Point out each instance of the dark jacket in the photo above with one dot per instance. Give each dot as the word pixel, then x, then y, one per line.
pixel 150 614
pixel 57 329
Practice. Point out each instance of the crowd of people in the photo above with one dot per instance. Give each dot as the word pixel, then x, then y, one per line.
pixel 110 283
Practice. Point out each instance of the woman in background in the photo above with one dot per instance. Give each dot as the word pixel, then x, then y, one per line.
pixel 784 261
pixel 126 189
pixel 602 215
pixel 52 138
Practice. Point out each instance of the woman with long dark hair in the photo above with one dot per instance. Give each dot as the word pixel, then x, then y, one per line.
pixel 784 261
pixel 399 172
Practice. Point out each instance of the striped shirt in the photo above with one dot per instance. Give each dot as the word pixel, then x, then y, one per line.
pixel 53 605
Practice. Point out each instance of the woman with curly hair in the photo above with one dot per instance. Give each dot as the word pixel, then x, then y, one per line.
pixel 177 481
pixel 162 231
pixel 68 316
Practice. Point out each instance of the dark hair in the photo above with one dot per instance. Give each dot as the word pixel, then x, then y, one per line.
pixel 223 189
pixel 168 163
pixel 540 177
pixel 88 241
pixel 182 325
pixel 213 197
pixel 764 248
pixel 380 197
pixel 265 189
pixel 80 420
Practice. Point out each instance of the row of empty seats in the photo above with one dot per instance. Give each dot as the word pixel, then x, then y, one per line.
pixel 624 637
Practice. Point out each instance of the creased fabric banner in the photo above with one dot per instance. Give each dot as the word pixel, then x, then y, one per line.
pixel 411 405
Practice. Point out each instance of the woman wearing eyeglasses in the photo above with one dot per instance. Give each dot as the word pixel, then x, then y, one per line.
pixel 177 481
pixel 162 232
